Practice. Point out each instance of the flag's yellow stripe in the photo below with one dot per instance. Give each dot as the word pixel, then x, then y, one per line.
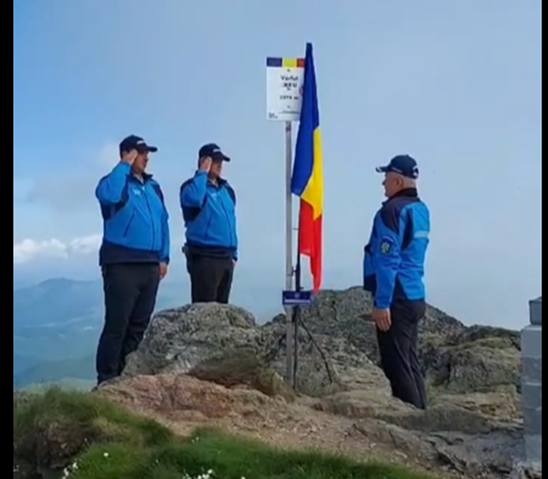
pixel 313 193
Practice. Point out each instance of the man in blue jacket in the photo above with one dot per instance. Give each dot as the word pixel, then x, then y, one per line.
pixel 393 270
pixel 133 256
pixel 208 203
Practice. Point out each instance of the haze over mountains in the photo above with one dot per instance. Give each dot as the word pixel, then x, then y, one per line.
pixel 57 323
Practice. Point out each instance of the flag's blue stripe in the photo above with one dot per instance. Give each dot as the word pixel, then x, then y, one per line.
pixel 309 121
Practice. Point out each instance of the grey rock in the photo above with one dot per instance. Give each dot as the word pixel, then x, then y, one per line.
pixel 474 425
pixel 453 357
pixel 448 435
pixel 325 363
pixel 487 455
pixel 179 339
pixel 525 470
pixel 476 359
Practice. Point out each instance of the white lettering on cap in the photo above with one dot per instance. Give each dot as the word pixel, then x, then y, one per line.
pixel 216 150
pixel 141 142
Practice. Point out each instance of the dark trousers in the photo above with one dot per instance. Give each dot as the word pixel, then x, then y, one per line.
pixel 398 351
pixel 210 279
pixel 130 295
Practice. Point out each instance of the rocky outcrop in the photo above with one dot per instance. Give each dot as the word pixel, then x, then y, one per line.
pixel 179 339
pixel 339 354
pixel 200 353
pixel 479 358
pixel 478 435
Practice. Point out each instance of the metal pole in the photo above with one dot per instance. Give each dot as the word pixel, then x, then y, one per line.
pixel 289 371
pixel 296 320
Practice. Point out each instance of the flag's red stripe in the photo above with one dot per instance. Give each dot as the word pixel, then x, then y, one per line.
pixel 310 241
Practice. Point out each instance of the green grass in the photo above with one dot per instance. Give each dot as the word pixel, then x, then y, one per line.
pixel 66 384
pixel 56 428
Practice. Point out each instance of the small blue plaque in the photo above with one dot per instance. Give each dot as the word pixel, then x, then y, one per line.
pixel 296 298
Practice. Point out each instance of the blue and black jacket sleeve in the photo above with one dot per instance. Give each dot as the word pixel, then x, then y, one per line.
pixel 194 191
pixel 389 227
pixel 110 189
pixel 166 244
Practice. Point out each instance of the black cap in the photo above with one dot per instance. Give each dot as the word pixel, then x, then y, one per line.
pixel 133 142
pixel 213 151
pixel 402 164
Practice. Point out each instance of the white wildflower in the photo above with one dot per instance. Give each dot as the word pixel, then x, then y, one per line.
pixel 206 475
pixel 67 471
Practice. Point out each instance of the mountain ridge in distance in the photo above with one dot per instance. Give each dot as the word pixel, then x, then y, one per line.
pixel 57 322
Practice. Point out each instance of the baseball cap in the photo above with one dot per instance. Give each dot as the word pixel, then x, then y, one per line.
pixel 402 164
pixel 214 151
pixel 133 142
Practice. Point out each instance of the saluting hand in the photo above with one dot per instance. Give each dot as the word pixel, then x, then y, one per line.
pixel 205 164
pixel 129 156
pixel 382 318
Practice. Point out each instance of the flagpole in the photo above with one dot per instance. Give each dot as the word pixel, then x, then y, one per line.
pixel 296 318
pixel 289 339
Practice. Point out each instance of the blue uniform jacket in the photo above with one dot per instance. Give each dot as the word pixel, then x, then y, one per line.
pixel 135 219
pixel 393 264
pixel 209 211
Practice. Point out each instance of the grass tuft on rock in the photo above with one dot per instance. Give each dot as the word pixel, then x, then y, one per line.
pixel 95 439
pixel 242 367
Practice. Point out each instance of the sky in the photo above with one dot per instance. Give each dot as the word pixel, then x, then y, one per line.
pixel 456 84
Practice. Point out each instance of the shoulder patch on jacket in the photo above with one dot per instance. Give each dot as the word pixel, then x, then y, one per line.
pixel 386 245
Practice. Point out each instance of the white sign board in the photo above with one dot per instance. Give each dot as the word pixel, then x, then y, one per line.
pixel 284 88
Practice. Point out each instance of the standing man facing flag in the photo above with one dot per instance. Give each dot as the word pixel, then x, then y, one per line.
pixel 307 178
pixel 208 203
pixel 393 270
pixel 134 253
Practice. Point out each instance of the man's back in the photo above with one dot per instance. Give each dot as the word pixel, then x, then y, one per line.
pixel 414 248
pixel 413 218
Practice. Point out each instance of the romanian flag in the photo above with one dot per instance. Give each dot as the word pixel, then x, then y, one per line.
pixel 307 178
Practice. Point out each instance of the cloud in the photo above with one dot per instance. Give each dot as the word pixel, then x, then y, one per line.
pixel 109 155
pixel 73 191
pixel 63 192
pixel 28 249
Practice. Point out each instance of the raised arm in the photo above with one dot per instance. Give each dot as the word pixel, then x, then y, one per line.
pixel 111 188
pixel 193 191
